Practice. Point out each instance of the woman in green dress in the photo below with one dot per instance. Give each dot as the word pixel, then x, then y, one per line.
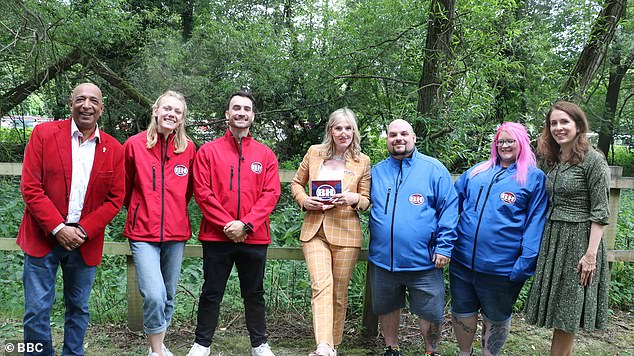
pixel 570 289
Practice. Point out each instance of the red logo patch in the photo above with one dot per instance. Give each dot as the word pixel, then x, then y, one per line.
pixel 180 170
pixel 256 167
pixel 508 198
pixel 416 199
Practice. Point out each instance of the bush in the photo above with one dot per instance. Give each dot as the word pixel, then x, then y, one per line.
pixel 623 156
pixel 12 143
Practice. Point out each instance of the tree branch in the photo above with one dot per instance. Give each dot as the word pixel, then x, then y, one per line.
pixel 367 76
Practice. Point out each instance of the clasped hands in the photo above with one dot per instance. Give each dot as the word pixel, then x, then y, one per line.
pixel 234 230
pixel 341 199
pixel 70 237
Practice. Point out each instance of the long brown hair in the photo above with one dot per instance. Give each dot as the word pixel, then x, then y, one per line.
pixel 548 148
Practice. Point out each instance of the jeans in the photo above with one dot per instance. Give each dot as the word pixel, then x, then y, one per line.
pixel 39 294
pixel 218 260
pixel 158 268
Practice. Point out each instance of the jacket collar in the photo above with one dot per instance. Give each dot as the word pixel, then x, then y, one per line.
pixel 407 161
pixel 245 140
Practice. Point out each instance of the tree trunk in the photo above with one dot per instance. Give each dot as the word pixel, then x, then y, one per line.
pixel 15 96
pixel 437 53
pixel 187 19
pixel 617 73
pixel 595 50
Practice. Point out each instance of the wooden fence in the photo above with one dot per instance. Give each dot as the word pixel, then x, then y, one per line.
pixel 135 302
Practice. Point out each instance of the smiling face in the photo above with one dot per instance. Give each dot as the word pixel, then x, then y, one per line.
pixel 86 106
pixel 169 114
pixel 563 128
pixel 508 148
pixel 400 139
pixel 240 113
pixel 342 134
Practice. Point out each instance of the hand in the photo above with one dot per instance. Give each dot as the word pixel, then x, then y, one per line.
pixel 587 266
pixel 346 198
pixel 70 237
pixel 234 230
pixel 441 261
pixel 314 203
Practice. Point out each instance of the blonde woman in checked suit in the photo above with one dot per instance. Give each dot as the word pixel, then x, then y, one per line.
pixel 331 233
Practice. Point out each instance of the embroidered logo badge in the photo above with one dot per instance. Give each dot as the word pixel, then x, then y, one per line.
pixel 416 199
pixel 256 167
pixel 508 198
pixel 180 170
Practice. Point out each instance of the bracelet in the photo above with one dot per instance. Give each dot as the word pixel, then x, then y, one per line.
pixel 588 262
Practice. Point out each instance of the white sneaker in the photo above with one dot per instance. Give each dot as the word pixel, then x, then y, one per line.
pixel 166 351
pixel 198 350
pixel 262 350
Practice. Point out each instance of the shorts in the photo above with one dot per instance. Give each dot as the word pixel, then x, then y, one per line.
pixel 473 292
pixel 425 291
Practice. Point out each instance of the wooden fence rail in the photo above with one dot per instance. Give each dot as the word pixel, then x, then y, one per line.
pixel 135 302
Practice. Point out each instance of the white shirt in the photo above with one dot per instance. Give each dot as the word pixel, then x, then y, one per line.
pixel 83 158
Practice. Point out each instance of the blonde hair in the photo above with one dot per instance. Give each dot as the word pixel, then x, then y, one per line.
pixel 180 136
pixel 354 150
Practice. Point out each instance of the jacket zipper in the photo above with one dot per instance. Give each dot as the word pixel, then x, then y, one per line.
pixel 478 200
pixel 136 210
pixel 153 178
pixel 231 179
pixel 164 159
pixel 387 200
pixel 494 180
pixel 398 183
pixel 240 159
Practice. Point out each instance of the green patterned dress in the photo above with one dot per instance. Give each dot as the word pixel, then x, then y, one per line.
pixel 578 196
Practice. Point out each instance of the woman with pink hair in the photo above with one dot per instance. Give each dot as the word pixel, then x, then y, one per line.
pixel 502 206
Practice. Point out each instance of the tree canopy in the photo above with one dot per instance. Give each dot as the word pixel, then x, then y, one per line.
pixel 454 68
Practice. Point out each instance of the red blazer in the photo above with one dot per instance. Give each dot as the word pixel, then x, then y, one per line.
pixel 45 185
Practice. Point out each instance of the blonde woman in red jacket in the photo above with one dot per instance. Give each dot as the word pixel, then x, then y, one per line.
pixel 159 184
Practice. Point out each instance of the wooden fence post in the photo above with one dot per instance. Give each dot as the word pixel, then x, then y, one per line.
pixel 370 320
pixel 135 302
pixel 609 235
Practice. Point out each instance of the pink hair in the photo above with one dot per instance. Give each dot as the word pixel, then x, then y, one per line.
pixel 525 156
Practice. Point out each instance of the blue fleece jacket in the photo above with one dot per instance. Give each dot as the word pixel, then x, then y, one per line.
pixel 501 222
pixel 414 213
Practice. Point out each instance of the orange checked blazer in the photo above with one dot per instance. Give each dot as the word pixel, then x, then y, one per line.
pixel 341 223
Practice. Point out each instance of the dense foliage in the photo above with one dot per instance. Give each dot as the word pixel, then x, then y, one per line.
pixel 508 60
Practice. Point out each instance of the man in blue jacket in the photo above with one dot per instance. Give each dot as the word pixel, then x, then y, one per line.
pixel 412 229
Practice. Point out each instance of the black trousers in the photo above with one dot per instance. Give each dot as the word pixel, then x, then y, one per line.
pixel 218 260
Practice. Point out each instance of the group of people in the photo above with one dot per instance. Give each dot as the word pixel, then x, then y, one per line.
pixel 501 222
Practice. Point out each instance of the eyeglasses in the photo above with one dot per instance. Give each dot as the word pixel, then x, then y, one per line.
pixel 501 143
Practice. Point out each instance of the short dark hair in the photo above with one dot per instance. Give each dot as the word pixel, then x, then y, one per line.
pixel 243 94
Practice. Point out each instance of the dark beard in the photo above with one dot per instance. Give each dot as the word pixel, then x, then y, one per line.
pixel 406 153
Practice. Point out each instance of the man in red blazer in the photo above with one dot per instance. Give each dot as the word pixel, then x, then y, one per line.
pixel 73 186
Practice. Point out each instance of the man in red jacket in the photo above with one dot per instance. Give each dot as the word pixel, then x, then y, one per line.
pixel 236 185
pixel 73 186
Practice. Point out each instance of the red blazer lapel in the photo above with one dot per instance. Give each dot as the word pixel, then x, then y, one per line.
pixel 65 151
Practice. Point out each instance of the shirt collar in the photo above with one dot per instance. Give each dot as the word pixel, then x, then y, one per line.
pixel 74 131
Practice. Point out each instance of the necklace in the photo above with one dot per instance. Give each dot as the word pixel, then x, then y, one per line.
pixel 338 157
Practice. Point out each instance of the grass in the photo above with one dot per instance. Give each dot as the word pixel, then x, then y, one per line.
pixel 291 334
